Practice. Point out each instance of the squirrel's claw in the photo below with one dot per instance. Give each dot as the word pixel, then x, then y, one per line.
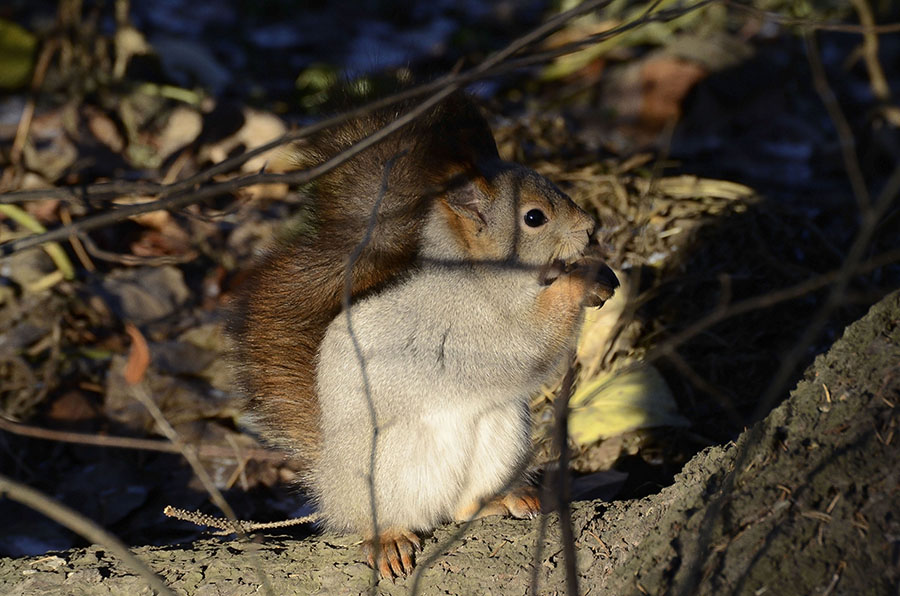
pixel 393 553
pixel 605 284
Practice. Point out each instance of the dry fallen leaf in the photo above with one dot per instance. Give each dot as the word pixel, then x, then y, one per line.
pixel 666 80
pixel 145 294
pixel 17 53
pixel 619 402
pixel 182 128
pixel 104 129
pixel 258 129
pixel 138 356
pixel 599 324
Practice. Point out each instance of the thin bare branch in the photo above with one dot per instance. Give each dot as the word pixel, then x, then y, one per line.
pixel 203 450
pixel 563 481
pixel 370 403
pixel 40 70
pixel 850 268
pixel 877 79
pixel 813 25
pixel 535 58
pixel 765 301
pixel 131 260
pixel 224 525
pixel 484 70
pixel 880 87
pixel 845 133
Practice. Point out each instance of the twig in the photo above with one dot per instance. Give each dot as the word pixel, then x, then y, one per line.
pixel 563 487
pixel 181 200
pixel 204 451
pixel 810 24
pixel 188 451
pixel 871 218
pixel 225 525
pixel 491 67
pixel 835 578
pixel 692 573
pixel 77 246
pixel 82 526
pixel 844 275
pixel 880 88
pixel 123 188
pixel 765 301
pixel 346 300
pixel 662 16
pixel 134 260
pixel 40 70
pixel 119 188
pixel 845 133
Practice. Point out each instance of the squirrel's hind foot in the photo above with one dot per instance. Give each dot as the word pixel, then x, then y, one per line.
pixel 393 552
pixel 521 503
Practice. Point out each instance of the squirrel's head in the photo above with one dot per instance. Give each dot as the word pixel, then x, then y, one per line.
pixel 509 216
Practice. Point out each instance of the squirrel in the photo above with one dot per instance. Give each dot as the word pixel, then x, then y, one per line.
pixel 411 407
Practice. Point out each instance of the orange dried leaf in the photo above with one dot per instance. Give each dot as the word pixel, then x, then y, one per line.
pixel 666 81
pixel 138 356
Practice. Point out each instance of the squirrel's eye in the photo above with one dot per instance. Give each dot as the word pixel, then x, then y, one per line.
pixel 535 218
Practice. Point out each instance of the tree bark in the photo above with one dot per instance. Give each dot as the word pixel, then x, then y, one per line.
pixel 806 502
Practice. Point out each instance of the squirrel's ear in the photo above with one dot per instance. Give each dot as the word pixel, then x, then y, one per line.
pixel 467 196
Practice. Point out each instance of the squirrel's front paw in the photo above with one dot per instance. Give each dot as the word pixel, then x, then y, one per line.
pixel 393 552
pixel 600 281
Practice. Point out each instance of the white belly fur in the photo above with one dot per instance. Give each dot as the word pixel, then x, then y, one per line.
pixel 452 412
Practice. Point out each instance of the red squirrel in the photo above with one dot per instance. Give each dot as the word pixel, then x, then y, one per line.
pixel 410 408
